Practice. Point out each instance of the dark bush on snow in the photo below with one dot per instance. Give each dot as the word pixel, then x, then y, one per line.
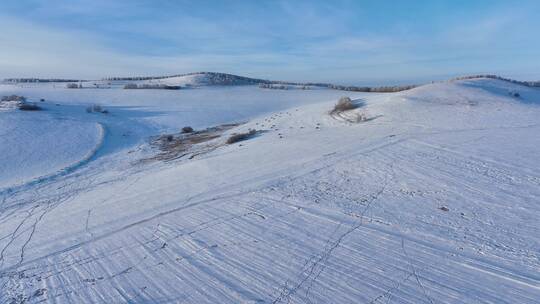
pixel 187 129
pixel 14 98
pixel 344 104
pixel 72 86
pixel 29 107
pixel 131 86
pixel 96 109
pixel 240 137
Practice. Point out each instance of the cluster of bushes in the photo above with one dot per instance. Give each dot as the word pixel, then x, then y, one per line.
pixel 13 98
pixel 344 104
pixel 305 86
pixel 384 89
pixel 229 79
pixel 74 86
pixel 147 86
pixel 273 86
pixel 96 109
pixel 514 94
pixel 20 102
pixel 240 137
pixel 282 86
pixel 187 129
pixel 298 84
pixel 131 86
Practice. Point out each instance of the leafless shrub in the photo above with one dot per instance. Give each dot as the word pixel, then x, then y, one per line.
pixel 130 86
pixel 14 98
pixel 343 104
pixel 72 86
pixel 240 137
pixel 96 109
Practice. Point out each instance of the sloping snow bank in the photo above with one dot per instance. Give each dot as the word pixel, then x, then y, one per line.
pixel 37 146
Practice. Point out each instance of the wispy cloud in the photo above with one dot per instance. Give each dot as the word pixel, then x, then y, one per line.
pixel 296 40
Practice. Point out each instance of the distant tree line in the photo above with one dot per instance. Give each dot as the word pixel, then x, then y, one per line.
pixel 74 86
pixel 146 86
pixel 525 83
pixel 213 78
pixel 274 86
pixel 25 80
pixel 384 89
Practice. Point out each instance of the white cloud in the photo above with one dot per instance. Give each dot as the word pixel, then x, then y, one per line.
pixel 29 50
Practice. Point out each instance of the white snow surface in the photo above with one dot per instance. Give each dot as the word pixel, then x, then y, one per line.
pixel 435 198
pixel 37 145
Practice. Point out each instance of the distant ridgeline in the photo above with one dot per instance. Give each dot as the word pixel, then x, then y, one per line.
pixel 33 80
pixel 525 83
pixel 212 78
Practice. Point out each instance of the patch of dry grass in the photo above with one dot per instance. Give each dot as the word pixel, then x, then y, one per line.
pixel 240 137
pixel 180 145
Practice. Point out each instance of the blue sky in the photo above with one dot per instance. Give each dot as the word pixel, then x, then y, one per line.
pixel 352 42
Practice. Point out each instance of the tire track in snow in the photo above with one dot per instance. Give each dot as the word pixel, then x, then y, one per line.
pixel 321 258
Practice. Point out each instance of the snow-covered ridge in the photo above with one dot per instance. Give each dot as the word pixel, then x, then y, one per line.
pixel 490 76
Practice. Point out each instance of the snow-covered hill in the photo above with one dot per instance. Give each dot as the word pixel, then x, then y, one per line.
pixel 198 79
pixel 191 79
pixel 432 197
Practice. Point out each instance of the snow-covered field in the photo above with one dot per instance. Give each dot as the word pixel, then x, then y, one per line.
pixel 434 198
pixel 38 145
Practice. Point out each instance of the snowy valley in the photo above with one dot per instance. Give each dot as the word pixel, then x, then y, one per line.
pixel 428 195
